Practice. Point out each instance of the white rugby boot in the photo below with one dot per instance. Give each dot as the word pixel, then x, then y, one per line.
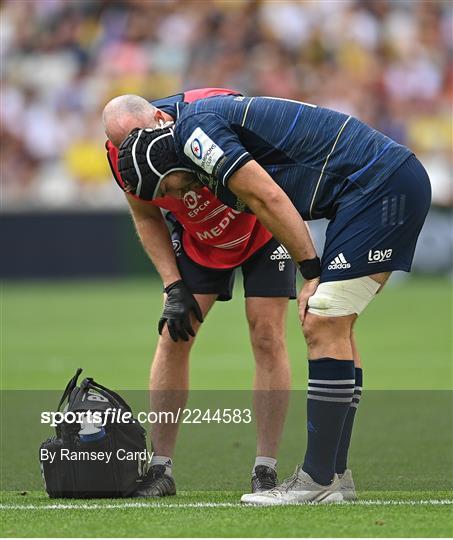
pixel 347 486
pixel 299 488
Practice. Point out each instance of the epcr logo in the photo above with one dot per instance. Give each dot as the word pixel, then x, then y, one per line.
pixel 196 148
pixel 190 200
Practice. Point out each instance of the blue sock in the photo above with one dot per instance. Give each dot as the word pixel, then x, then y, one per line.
pixel 343 447
pixel 330 389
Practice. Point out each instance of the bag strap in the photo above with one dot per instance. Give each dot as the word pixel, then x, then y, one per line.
pixel 111 392
pixel 106 392
pixel 69 387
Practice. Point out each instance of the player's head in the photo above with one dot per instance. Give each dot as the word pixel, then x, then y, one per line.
pixel 124 113
pixel 149 165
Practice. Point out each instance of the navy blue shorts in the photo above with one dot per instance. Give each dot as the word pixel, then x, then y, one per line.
pixel 378 231
pixel 268 273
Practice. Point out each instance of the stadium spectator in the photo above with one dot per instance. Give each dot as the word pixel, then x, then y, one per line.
pixel 384 61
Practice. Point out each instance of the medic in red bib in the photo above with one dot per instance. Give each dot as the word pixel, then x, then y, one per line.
pixel 197 267
pixel 214 235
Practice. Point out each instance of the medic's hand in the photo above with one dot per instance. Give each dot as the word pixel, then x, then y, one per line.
pixel 178 305
pixel 308 289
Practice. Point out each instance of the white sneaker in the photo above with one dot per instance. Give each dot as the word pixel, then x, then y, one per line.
pixel 347 487
pixel 297 489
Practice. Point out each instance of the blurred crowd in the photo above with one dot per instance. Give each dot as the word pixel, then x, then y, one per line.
pixel 386 62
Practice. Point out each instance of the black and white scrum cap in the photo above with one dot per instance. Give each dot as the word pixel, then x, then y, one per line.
pixel 145 157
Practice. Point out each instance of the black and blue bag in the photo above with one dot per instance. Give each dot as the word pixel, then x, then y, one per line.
pixel 94 478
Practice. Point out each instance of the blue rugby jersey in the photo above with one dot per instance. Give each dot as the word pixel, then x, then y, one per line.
pixel 319 157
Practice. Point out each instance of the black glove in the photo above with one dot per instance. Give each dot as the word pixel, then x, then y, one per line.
pixel 180 302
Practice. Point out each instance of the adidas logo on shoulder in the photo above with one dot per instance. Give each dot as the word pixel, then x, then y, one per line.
pixel 339 263
pixel 279 254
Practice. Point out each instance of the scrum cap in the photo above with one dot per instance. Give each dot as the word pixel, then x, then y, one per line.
pixel 145 157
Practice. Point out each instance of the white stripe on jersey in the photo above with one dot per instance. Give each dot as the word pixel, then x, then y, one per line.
pixel 325 164
pixel 232 166
pixel 290 100
pixel 212 213
pixel 234 243
pixel 246 111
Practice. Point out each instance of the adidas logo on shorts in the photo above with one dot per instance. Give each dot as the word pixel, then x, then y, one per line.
pixel 339 263
pixel 279 254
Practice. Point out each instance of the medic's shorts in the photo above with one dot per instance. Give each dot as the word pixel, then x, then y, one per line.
pixel 268 273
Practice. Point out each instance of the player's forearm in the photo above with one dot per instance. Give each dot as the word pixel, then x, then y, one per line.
pixel 285 224
pixel 156 242
pixel 274 209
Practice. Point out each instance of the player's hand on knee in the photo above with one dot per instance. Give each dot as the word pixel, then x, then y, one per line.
pixel 179 303
pixel 308 289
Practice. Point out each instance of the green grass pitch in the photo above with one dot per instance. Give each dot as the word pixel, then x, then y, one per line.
pixel 109 328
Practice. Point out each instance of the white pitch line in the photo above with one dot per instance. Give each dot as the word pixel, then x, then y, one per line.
pixel 96 506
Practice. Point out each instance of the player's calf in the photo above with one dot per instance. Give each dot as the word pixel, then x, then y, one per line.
pixel 266 318
pixel 346 434
pixel 327 328
pixel 334 385
pixel 330 391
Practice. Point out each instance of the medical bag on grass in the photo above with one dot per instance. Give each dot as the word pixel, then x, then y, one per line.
pixel 89 456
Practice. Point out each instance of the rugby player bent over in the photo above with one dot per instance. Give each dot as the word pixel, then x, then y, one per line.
pixel 287 162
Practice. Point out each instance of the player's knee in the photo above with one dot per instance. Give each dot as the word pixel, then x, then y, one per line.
pixel 317 329
pixel 174 350
pixel 268 340
pixel 267 347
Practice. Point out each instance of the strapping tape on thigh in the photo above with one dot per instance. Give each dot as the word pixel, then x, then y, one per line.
pixel 339 298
